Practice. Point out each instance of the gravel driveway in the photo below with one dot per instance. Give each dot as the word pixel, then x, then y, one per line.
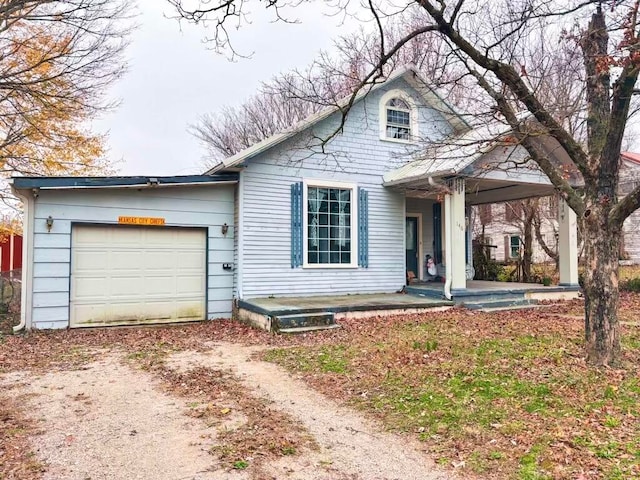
pixel 110 420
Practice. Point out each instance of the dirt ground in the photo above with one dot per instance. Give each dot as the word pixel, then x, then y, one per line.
pixel 109 419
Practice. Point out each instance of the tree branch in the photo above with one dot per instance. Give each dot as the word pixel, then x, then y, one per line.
pixel 629 204
pixel 507 75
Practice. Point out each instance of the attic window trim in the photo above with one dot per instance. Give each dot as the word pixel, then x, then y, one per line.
pixel 385 106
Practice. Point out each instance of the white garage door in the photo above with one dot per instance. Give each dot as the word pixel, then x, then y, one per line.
pixel 132 275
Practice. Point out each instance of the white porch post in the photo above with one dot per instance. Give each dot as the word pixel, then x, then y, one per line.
pixel 567 244
pixel 456 226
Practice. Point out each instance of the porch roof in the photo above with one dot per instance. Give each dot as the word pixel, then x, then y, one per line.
pixel 453 155
pixel 496 168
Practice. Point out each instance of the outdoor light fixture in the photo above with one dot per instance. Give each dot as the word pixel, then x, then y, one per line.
pixel 225 229
pixel 49 221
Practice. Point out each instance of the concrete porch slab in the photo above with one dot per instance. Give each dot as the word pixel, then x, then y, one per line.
pixel 262 312
pixel 339 303
pixel 482 288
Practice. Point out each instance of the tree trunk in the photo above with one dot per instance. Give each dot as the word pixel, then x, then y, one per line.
pixel 602 330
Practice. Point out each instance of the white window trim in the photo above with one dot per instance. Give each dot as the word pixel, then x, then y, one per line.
pixel 511 246
pixel 305 227
pixel 413 115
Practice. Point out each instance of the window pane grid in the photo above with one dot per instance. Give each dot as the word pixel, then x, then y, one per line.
pixel 398 117
pixel 398 121
pixel 329 226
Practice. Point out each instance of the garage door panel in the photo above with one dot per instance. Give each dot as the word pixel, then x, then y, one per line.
pixel 126 287
pixel 120 236
pixel 88 288
pixel 87 238
pixel 158 260
pixel 185 238
pixel 191 259
pixel 159 286
pixel 187 284
pixel 190 310
pixel 134 311
pixel 125 260
pixel 124 275
pixel 92 314
pixel 90 260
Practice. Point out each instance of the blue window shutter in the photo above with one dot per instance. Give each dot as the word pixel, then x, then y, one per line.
pixel 363 228
pixel 437 233
pixel 296 225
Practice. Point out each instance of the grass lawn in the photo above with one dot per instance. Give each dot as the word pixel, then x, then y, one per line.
pixel 506 394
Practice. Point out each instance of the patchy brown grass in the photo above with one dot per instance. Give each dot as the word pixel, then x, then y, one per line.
pixel 65 349
pixel 262 435
pixel 17 461
pixel 506 394
pixel 630 271
pixel 215 396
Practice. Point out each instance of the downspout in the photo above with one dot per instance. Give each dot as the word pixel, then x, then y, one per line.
pixel 240 237
pixel 27 259
pixel 447 245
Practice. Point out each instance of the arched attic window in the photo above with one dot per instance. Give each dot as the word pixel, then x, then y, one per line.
pixel 397 118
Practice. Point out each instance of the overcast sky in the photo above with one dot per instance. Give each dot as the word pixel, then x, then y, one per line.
pixel 173 78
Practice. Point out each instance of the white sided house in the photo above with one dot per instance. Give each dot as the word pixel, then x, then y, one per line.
pixel 502 223
pixel 285 222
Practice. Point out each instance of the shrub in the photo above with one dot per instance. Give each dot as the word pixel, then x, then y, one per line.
pixel 631 285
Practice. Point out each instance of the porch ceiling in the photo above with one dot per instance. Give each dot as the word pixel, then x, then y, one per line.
pixel 482 190
pixel 479 191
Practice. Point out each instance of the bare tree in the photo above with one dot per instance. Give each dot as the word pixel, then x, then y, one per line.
pixel 490 40
pixel 290 97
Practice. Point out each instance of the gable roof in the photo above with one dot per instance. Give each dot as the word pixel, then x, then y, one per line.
pixel 410 75
pixel 631 157
pixel 454 154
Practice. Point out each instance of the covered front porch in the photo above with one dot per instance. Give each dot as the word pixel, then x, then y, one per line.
pixel 302 314
pixel 440 190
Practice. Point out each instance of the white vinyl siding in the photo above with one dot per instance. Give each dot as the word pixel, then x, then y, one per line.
pixel 357 156
pixel 129 275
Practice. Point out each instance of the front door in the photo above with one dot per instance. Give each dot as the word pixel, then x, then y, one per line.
pixel 412 246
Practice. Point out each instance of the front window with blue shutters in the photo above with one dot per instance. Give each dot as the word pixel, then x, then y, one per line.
pixel 329 225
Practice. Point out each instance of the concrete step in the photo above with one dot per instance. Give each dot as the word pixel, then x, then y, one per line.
pixel 516 307
pixel 308 329
pixel 506 304
pixel 303 320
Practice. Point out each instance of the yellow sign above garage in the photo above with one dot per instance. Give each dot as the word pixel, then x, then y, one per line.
pixel 141 220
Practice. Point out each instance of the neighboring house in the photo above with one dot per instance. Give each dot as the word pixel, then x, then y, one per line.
pixel 10 252
pixel 501 222
pixel 279 219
